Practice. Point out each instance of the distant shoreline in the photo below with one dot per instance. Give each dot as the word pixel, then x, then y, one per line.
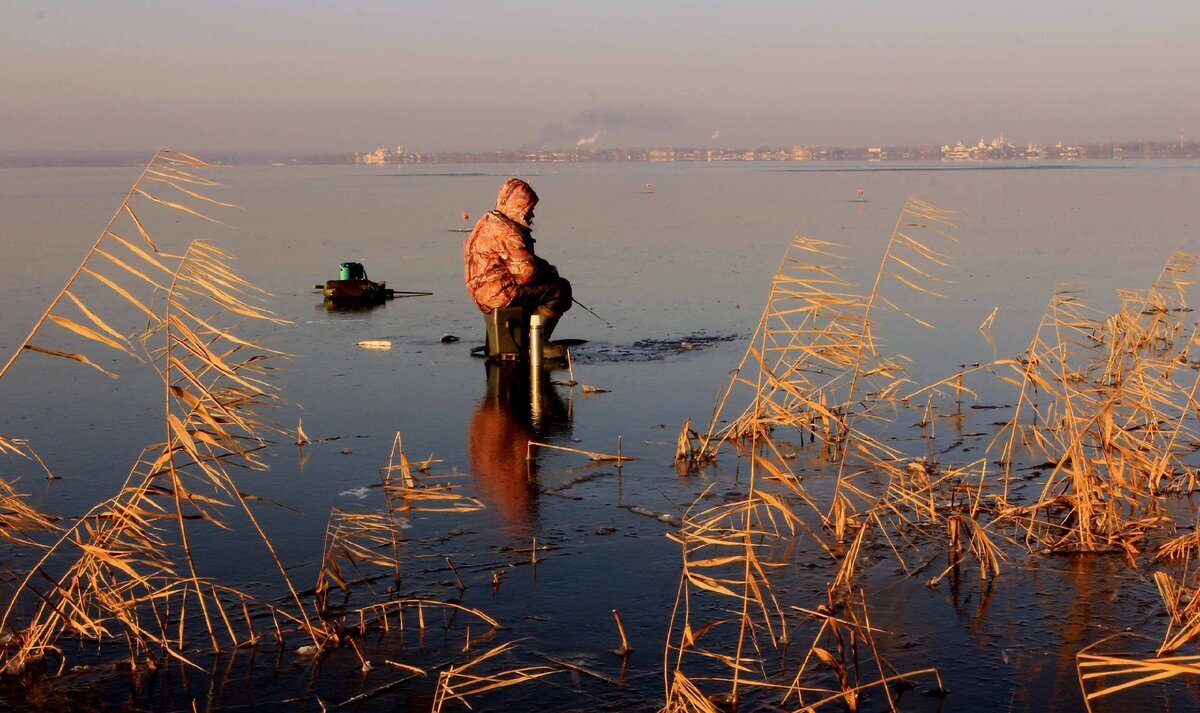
pixel 850 159
pixel 118 159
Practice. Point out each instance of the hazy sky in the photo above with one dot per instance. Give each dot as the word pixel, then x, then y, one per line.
pixel 346 75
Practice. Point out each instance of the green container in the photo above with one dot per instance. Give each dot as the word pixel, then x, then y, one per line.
pixel 351 271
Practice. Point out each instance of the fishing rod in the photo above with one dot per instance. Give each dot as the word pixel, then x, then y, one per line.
pixel 610 325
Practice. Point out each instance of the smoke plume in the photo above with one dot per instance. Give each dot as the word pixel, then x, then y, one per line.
pixel 589 140
pixel 635 125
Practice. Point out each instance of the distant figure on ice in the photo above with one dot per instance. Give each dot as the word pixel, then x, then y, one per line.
pixel 502 270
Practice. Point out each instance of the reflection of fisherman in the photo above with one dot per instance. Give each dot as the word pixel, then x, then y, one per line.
pixel 499 434
pixel 501 269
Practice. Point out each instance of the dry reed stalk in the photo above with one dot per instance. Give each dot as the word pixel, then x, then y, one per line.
pixel 1104 675
pixel 1111 411
pixel 368 538
pixel 594 455
pixel 13 446
pixel 124 576
pixel 393 537
pixel 461 587
pixel 1104 399
pixel 798 325
pixel 417 490
pixel 1182 603
pixel 458 683
pixel 624 649
pixel 123 553
pixel 683 696
pixel 845 574
pixel 986 328
pixel 815 348
pixel 113 259
pixel 815 365
pixel 354 539
pixel 721 558
pixel 378 614
pixel 844 631
pixel 690 451
pixel 1179 547
pixel 904 255
pixel 18 520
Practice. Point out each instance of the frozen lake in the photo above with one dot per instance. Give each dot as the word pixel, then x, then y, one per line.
pixel 682 273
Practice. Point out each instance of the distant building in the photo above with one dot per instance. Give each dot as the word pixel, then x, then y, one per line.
pixel 957 152
pixel 384 155
pixel 996 149
pixel 1067 153
pixel 379 156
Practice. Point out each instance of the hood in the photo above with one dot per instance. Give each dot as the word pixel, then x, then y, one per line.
pixel 516 199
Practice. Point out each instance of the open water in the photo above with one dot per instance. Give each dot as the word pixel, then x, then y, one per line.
pixel 681 272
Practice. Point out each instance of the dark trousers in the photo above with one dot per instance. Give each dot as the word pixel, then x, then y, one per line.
pixel 549 298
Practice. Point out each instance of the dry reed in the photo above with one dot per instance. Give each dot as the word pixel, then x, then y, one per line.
pixel 129 576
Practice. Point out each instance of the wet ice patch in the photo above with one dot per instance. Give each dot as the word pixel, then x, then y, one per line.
pixel 360 493
pixel 652 349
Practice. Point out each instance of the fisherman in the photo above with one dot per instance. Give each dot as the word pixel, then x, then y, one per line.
pixel 501 268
